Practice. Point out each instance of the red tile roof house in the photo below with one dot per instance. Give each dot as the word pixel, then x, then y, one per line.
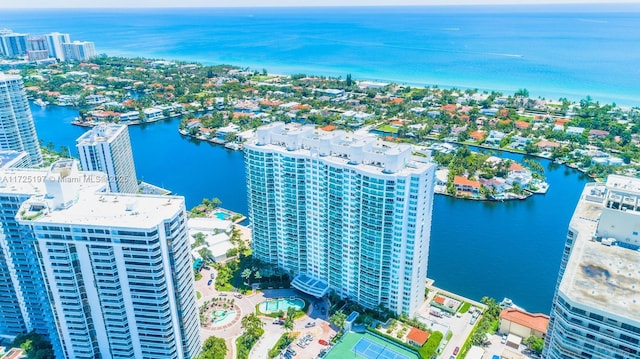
pixel 545 145
pixel 464 184
pixel 477 135
pixel 417 337
pixel 516 167
pixel 598 133
pixel 523 324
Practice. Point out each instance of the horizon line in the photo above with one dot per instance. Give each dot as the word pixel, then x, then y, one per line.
pixel 532 3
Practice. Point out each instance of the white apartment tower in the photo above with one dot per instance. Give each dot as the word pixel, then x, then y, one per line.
pixel 54 44
pixel 596 307
pixel 113 270
pixel 13 44
pixel 107 148
pixel 22 308
pixel 17 130
pixel 342 212
pixel 78 50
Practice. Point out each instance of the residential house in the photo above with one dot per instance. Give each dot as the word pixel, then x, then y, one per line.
pixel 522 323
pixel 598 133
pixel 518 174
pixel 573 130
pixel 495 137
pixel 417 337
pixel 463 184
pixel 545 145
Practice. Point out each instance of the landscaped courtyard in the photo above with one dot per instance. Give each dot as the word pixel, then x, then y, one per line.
pixel 219 313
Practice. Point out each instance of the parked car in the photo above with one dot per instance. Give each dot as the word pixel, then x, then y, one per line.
pixel 212 275
pixel 238 295
pixel 209 282
pixel 310 324
pixel 456 350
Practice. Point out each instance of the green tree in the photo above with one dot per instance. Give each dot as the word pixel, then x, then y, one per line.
pixel 535 344
pixel 493 308
pixel 246 274
pixel 338 318
pixel 349 80
pixel 213 348
pixel 34 345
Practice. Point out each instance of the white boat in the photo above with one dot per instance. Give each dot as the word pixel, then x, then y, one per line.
pixel 508 303
pixel 41 103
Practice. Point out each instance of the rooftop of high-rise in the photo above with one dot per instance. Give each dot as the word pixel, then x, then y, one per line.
pixel 63 194
pixel 100 133
pixel 8 77
pixel 9 157
pixel 365 152
pixel 603 272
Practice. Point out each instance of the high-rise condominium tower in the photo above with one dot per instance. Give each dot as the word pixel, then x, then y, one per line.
pixel 54 44
pixel 13 44
pixel 17 131
pixel 107 148
pixel 79 50
pixel 596 308
pixel 343 212
pixel 112 272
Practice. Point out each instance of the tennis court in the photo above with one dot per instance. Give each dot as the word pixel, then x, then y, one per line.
pixel 368 346
pixel 371 350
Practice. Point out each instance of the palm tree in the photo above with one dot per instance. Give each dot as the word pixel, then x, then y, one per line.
pixel 288 324
pixel 246 274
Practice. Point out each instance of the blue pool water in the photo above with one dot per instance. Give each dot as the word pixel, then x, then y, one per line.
pixel 281 304
pixel 222 216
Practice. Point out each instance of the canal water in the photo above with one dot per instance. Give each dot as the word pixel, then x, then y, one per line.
pixel 497 249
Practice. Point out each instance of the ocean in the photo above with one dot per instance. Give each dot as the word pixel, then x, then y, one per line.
pixel 553 51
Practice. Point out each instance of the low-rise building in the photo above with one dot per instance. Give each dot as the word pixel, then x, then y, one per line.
pixel 417 337
pixel 522 323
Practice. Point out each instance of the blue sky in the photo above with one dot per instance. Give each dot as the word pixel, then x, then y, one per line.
pixel 7 4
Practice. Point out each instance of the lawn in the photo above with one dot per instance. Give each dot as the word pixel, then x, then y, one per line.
pixel 343 349
pixel 387 129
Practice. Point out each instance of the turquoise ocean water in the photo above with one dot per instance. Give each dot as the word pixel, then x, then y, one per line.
pixel 553 51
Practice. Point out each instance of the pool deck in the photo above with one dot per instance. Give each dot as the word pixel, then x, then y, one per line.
pixel 229 213
pixel 263 307
pixel 247 304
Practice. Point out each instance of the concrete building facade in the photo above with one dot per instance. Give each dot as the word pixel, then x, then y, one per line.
pixel 342 212
pixel 112 272
pixel 18 130
pixel 78 50
pixel 107 148
pixel 54 44
pixel 596 307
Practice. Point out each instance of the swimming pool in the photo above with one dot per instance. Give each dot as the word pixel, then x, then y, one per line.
pixel 222 317
pixel 282 304
pixel 222 216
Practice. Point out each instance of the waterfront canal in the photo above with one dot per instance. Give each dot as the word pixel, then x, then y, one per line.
pixel 509 249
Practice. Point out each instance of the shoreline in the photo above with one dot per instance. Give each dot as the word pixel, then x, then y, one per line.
pixel 288 70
